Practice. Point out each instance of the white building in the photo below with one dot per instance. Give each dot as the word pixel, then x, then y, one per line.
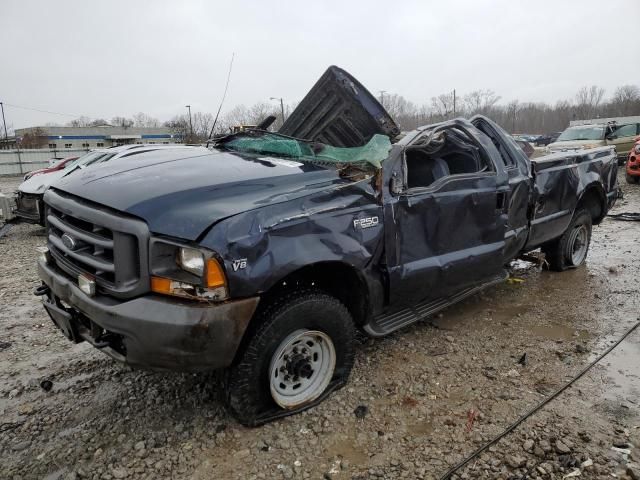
pixel 61 138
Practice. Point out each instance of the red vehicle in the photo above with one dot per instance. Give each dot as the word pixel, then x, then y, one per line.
pixel 59 165
pixel 632 172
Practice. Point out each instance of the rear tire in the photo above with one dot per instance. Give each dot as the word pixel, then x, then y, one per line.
pixel 302 343
pixel 632 179
pixel 570 250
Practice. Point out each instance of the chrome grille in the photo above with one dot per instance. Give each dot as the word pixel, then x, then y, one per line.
pixel 92 247
pixel 89 239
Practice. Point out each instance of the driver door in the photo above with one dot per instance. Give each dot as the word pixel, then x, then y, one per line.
pixel 449 234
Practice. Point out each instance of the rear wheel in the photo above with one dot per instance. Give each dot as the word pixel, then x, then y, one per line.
pixel 570 250
pixel 632 178
pixel 301 349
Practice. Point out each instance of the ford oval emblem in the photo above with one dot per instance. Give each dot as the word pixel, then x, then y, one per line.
pixel 69 242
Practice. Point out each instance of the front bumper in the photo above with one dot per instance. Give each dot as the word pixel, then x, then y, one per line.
pixel 150 331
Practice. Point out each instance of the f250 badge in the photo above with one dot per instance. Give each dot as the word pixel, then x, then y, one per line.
pixel 239 264
pixel 366 222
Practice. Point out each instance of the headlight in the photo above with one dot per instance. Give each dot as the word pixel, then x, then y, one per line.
pixel 186 272
pixel 191 260
pixel 637 148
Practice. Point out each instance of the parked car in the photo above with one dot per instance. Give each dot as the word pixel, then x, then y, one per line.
pixel 54 167
pixel 526 147
pixel 632 173
pixel 544 140
pixel 264 255
pixel 29 203
pixel 594 135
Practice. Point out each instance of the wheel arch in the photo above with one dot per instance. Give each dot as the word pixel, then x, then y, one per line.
pixel 336 278
pixel 594 200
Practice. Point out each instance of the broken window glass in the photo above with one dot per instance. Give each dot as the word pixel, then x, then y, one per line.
pixel 373 153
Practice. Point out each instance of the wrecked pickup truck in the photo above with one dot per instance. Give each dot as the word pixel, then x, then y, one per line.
pixel 262 256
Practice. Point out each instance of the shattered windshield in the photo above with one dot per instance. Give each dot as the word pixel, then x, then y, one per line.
pixel 372 153
pixel 582 133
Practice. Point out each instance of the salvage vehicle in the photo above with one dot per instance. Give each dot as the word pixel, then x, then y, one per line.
pixel 55 166
pixel 262 256
pixel 621 137
pixel 632 169
pixel 29 196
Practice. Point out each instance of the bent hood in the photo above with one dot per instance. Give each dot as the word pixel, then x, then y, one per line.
pixel 181 196
pixel 39 183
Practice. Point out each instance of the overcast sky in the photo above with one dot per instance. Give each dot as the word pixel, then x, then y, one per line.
pixel 103 59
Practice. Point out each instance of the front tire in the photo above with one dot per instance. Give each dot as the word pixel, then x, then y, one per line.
pixel 301 348
pixel 570 250
pixel 632 179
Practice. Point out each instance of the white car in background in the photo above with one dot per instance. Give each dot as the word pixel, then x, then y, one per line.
pixel 29 203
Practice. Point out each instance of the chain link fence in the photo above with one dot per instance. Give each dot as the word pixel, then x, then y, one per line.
pixel 21 161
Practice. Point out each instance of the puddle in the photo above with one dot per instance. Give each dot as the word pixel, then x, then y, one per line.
pixel 558 332
pixel 623 369
pixel 346 450
pixel 420 427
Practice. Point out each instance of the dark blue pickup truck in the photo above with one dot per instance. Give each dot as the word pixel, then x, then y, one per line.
pixel 262 255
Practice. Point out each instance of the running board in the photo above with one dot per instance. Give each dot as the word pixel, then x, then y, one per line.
pixel 387 323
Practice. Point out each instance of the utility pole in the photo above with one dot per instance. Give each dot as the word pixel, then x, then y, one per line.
pixel 281 106
pixel 6 137
pixel 454 102
pixel 190 124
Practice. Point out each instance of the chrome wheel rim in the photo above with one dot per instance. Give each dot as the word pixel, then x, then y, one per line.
pixel 578 245
pixel 301 368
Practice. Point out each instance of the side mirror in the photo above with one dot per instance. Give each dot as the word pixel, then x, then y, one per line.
pixel 612 136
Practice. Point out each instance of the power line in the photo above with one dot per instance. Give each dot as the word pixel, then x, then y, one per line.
pixel 46 111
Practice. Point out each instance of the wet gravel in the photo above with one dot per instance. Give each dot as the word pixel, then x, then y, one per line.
pixel 417 402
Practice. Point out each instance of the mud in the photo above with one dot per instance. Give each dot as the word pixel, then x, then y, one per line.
pixel 434 391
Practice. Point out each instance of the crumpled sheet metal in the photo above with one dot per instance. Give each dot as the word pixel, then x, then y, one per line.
pixel 279 239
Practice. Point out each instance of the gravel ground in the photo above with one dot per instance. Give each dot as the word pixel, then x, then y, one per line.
pixel 425 397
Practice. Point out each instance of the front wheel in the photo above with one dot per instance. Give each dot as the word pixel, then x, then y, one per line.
pixel 570 250
pixel 631 178
pixel 301 349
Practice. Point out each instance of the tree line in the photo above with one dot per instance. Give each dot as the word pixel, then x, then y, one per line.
pixel 515 116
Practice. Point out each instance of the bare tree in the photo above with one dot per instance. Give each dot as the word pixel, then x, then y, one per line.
pixel 588 100
pixel 80 122
pixel 34 138
pixel 179 125
pixel 479 101
pixel 143 120
pixel 122 122
pixel 443 105
pixel 626 99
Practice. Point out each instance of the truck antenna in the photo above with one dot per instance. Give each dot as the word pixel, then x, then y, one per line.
pixel 224 95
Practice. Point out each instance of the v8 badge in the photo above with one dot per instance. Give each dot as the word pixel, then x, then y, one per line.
pixel 239 264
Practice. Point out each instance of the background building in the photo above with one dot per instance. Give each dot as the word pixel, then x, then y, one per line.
pixel 60 138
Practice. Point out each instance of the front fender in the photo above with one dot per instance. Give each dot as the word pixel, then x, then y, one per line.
pixel 262 246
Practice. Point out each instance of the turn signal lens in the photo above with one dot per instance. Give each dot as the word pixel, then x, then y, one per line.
pixel 161 285
pixel 215 275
